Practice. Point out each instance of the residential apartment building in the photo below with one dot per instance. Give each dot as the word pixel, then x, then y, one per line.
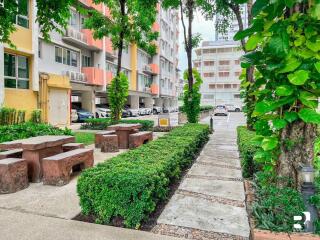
pixel 219 66
pixel 218 62
pixel 74 69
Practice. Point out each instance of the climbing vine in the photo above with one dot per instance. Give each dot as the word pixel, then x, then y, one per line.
pixel 284 45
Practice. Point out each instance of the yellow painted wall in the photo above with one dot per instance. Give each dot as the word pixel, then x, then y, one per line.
pixel 22 38
pixel 134 66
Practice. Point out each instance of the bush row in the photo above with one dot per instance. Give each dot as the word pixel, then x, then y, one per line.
pixel 247 150
pixel 29 129
pixel 103 123
pixel 130 185
pixel 202 108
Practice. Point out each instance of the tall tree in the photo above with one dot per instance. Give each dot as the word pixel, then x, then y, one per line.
pixel 187 9
pixel 229 9
pixel 51 15
pixel 130 22
pixel 284 36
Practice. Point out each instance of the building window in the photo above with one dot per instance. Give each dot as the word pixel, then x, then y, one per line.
pixel 235 85
pixel 208 74
pixel 208 96
pixel 220 86
pixel 66 56
pixel 227 85
pixel 237 62
pixel 224 74
pixel 209 63
pixel 22 19
pixel 212 86
pixel 16 71
pixel 224 62
pixel 236 95
pixel 86 61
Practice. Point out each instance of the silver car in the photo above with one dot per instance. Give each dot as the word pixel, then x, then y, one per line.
pixel 220 110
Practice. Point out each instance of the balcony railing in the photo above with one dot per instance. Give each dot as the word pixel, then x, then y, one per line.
pixel 94 76
pixel 154 68
pixel 156 27
pixel 154 89
pixel 90 4
pixel 94 44
pixel 109 77
pixel 108 47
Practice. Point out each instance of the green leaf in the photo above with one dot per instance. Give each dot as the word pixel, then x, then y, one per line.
pixel 262 108
pixel 313 46
pixel 279 123
pixel 308 99
pixel 269 143
pixel 258 6
pixel 290 116
pixel 317 66
pixel 289 3
pixel 284 90
pixel 253 42
pixel 309 115
pixel 299 41
pixel 279 45
pixel 298 77
pixel 291 65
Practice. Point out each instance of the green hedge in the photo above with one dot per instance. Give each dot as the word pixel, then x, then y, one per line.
pixel 103 123
pixel 29 129
pixel 131 184
pixel 202 108
pixel 247 150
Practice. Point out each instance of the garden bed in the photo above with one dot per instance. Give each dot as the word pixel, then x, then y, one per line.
pixel 104 123
pixel 271 209
pixel 128 190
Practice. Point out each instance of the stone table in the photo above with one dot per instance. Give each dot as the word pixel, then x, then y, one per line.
pixel 123 131
pixel 37 148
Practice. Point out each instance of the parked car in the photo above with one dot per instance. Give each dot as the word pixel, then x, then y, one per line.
pixel 233 108
pixel 125 113
pixel 142 111
pixel 74 115
pixel 148 111
pixel 133 112
pixel 102 112
pixel 84 114
pixel 156 110
pixel 220 110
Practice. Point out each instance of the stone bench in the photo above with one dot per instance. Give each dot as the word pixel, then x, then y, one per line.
pixel 13 175
pixel 109 143
pixel 57 169
pixel 137 139
pixel 72 146
pixel 13 153
pixel 98 137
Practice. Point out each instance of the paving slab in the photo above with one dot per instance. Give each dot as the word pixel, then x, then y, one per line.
pixel 208 151
pixel 226 189
pixel 222 147
pixel 234 162
pixel 201 214
pixel 213 171
pixel 24 226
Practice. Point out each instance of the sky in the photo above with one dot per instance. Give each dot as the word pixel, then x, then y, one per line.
pixel 200 25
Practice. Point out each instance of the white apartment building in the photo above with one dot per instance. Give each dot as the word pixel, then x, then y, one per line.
pixel 219 66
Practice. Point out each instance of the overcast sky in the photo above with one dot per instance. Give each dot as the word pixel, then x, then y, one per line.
pixel 200 25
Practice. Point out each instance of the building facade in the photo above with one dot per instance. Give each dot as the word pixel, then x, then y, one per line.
pixel 218 62
pixel 219 66
pixel 74 69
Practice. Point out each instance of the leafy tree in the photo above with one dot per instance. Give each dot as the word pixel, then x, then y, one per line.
pixel 284 36
pixel 230 9
pixel 131 22
pixel 51 15
pixel 187 9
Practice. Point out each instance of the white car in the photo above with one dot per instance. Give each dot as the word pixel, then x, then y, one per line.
pixel 220 110
pixel 157 110
pixel 142 111
pixel 133 112
pixel 233 108
pixel 148 111
pixel 103 112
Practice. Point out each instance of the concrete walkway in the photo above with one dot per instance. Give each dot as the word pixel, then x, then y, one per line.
pixel 210 201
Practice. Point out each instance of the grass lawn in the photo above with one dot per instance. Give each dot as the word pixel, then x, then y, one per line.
pixel 84 137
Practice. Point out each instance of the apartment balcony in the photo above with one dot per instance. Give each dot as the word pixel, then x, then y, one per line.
pixel 154 69
pixel 76 37
pixel 158 7
pixel 108 47
pixel 76 77
pixel 109 77
pixel 94 76
pixel 156 27
pixel 93 44
pixel 154 89
pixel 107 12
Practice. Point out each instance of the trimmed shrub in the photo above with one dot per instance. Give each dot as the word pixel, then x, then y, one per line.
pixel 130 185
pixel 202 108
pixel 103 123
pixel 247 150
pixel 29 129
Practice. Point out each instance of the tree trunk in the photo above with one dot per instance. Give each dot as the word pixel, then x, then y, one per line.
pixel 189 45
pixel 297 149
